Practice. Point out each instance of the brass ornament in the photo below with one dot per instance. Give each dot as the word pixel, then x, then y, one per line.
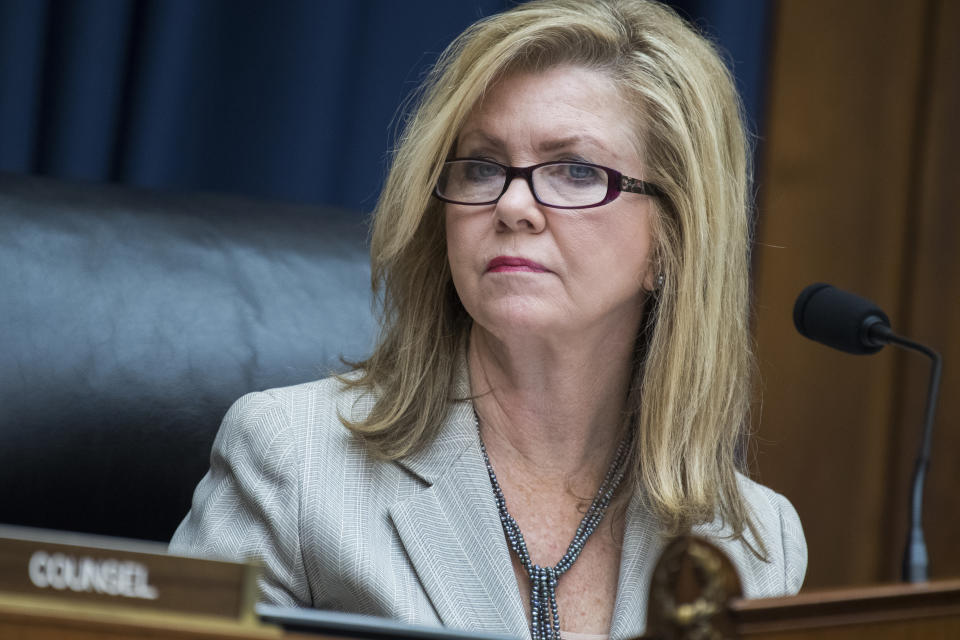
pixel 691 585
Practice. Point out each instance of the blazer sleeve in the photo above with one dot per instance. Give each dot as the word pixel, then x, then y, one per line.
pixel 781 570
pixel 794 545
pixel 248 504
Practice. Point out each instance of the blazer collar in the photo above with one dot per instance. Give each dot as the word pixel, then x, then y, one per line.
pixel 458 433
pixel 452 534
pixel 451 530
pixel 643 541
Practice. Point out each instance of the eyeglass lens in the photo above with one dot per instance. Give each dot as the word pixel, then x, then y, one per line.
pixel 565 184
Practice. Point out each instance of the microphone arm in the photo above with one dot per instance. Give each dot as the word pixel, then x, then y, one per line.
pixel 915 562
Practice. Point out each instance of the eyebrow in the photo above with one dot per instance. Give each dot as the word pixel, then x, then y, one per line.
pixel 568 142
pixel 545 146
pixel 484 136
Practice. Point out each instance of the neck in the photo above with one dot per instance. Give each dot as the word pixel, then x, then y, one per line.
pixel 551 412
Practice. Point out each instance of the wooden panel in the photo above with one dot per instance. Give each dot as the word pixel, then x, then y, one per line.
pixel 931 303
pixel 836 191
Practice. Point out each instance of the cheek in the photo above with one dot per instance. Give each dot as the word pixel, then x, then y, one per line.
pixel 456 243
pixel 459 254
pixel 467 230
pixel 620 249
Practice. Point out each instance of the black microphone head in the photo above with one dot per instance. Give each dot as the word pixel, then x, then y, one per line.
pixel 838 319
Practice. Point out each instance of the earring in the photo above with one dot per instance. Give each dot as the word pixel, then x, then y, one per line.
pixel 659 282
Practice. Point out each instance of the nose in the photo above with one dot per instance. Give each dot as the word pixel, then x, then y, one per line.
pixel 518 210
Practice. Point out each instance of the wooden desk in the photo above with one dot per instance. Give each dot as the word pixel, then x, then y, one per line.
pixel 921 611
pixel 695 595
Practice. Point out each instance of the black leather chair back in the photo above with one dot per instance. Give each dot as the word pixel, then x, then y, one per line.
pixel 130 320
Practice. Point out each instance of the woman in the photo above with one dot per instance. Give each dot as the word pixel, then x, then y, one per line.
pixel 563 373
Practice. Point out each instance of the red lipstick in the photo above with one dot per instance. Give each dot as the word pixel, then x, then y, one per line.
pixel 502 264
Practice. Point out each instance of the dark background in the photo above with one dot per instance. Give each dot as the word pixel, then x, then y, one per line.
pixel 295 100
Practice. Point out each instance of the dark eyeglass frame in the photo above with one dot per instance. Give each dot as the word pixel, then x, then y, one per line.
pixel 617 183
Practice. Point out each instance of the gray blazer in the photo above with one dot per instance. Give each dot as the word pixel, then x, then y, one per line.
pixel 418 540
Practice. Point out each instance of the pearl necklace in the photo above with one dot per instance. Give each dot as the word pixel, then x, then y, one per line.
pixel 545 619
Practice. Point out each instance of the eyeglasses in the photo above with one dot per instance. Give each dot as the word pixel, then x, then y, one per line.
pixel 560 185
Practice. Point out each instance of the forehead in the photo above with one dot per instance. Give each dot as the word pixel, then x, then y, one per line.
pixel 531 115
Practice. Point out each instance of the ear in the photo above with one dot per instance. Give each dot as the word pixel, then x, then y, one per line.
pixel 650 278
pixel 653 278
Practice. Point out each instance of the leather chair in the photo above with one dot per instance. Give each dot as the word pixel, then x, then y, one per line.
pixel 130 320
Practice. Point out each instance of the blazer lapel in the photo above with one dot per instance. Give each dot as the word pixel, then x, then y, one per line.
pixel 452 534
pixel 642 545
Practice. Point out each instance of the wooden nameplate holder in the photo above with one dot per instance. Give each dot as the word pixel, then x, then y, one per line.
pixel 70 586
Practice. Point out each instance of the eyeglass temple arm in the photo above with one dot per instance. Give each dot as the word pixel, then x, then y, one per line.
pixel 633 185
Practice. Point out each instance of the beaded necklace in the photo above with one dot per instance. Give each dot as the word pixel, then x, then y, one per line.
pixel 544 617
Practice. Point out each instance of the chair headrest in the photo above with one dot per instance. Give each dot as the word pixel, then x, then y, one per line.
pixel 129 322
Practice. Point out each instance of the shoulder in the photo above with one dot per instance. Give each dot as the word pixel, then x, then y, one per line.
pixel 300 411
pixel 277 456
pixel 778 526
pixel 269 447
pixel 778 530
pixel 316 398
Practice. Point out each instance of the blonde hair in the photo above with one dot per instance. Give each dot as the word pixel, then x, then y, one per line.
pixel 690 394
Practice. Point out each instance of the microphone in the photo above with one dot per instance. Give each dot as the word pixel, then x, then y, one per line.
pixel 856 325
pixel 839 319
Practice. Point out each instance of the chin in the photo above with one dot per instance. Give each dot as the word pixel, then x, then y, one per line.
pixel 522 317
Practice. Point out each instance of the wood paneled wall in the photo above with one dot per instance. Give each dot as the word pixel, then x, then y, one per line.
pixel 859 186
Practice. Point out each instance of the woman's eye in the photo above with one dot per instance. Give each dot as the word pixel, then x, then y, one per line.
pixel 581 172
pixel 482 171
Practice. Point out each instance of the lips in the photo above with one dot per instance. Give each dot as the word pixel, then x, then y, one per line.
pixel 503 264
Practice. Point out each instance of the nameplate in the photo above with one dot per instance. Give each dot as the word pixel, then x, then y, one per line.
pixel 93 569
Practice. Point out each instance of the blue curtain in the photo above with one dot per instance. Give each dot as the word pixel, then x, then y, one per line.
pixel 294 100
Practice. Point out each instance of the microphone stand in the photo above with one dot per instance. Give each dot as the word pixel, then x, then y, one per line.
pixel 915 561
